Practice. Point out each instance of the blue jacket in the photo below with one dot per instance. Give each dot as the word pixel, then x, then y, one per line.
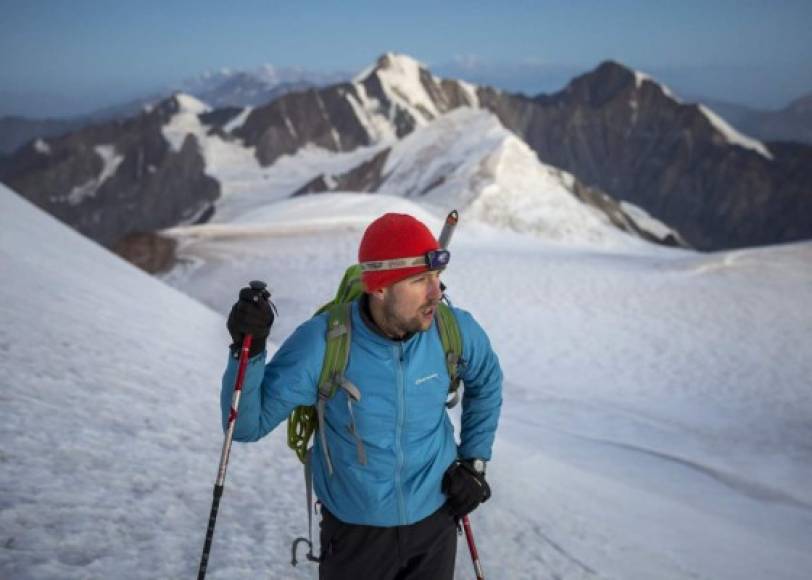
pixel 401 417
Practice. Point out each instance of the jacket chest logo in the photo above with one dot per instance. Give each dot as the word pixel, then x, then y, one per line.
pixel 422 380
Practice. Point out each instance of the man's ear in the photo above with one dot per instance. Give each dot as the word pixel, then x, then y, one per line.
pixel 378 294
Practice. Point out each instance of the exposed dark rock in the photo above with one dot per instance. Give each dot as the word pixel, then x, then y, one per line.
pixel 620 218
pixel 151 188
pixel 320 117
pixel 367 176
pixel 640 145
pixel 151 252
pixel 318 184
pixel 434 184
pixel 220 117
pixel 217 120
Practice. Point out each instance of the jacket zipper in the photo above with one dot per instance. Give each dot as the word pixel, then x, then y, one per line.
pixel 398 350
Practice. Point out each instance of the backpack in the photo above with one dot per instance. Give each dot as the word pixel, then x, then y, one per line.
pixel 304 421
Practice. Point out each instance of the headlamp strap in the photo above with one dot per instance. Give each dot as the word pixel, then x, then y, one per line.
pixel 435 260
pixel 394 264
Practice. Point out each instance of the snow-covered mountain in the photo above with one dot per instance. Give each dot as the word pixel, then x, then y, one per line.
pixel 621 131
pixel 118 177
pixel 624 138
pixel 384 102
pixel 220 89
pixel 466 159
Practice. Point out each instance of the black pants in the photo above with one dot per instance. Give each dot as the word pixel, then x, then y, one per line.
pixel 422 551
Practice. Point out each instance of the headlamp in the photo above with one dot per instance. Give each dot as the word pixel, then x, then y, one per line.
pixel 435 260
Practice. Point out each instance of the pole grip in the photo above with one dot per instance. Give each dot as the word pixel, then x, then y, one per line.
pixel 244 350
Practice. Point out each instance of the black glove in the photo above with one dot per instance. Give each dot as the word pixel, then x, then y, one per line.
pixel 252 314
pixel 465 488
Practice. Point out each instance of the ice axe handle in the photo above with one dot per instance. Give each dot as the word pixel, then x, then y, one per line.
pixel 448 228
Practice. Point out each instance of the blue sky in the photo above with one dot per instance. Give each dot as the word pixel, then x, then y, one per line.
pixel 753 52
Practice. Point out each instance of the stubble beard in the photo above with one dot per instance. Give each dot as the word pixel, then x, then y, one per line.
pixel 400 326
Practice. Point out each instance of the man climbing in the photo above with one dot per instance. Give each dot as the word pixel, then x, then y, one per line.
pixel 391 479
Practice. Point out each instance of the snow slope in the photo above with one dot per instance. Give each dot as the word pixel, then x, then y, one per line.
pixel 656 423
pixel 109 420
pixel 657 411
pixel 466 159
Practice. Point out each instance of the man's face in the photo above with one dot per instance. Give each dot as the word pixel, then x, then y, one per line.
pixel 409 305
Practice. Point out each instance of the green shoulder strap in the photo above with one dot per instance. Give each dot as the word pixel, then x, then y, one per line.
pixel 304 420
pixel 451 338
pixel 349 288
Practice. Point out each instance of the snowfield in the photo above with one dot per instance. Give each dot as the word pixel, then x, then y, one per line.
pixel 657 417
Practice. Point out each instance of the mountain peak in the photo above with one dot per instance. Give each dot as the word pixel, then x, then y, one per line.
pixel 393 63
pixel 611 78
pixel 398 62
pixel 613 67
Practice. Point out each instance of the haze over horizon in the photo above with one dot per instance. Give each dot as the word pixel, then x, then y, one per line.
pixel 66 59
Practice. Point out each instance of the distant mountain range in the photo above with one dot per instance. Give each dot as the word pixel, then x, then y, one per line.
pixel 235 88
pixel 622 137
pixel 792 123
pixel 223 88
pixel 113 178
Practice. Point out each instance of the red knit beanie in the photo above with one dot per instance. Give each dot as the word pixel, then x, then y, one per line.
pixel 394 235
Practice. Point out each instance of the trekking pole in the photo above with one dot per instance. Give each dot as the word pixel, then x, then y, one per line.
pixel 469 535
pixel 232 420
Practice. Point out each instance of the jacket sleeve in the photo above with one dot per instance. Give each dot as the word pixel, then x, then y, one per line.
pixel 272 391
pixel 482 397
